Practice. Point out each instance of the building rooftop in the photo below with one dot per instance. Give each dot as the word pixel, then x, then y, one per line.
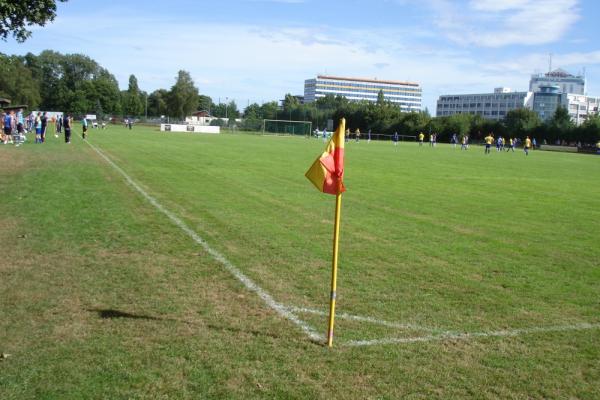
pixel 340 78
pixel 557 73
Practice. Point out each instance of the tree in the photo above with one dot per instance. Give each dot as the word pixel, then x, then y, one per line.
pixel 17 83
pixel 232 110
pixel 589 131
pixel 269 110
pixel 205 103
pixel 17 15
pixel 106 93
pixel 157 102
pixel 290 102
pixel 132 101
pixel 380 98
pixel 521 122
pixel 71 82
pixel 183 97
pixel 560 125
pixel 252 118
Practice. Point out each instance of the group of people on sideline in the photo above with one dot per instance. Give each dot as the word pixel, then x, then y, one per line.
pixel 16 126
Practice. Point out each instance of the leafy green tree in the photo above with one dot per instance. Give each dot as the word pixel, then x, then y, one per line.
pixel 72 82
pixel 205 103
pixel 183 97
pixel 380 98
pixel 252 118
pixel 560 125
pixel 157 102
pixel 589 131
pixel 232 110
pixel 17 15
pixel 218 110
pixel 521 122
pixel 132 100
pixel 290 102
pixel 17 83
pixel 106 92
pixel 269 110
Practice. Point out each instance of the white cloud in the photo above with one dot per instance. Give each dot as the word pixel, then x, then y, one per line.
pixel 496 23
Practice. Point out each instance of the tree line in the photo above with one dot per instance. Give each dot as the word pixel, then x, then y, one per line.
pixel 76 83
pixel 386 118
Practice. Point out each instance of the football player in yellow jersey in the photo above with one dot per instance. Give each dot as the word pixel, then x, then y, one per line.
pixel 511 145
pixel 421 137
pixel 527 145
pixel 489 139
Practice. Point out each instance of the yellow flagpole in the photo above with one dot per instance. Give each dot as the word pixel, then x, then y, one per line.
pixel 334 264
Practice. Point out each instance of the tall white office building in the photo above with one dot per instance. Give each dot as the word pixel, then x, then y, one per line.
pixel 407 95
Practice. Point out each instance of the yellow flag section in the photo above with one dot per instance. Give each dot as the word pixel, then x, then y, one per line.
pixel 327 172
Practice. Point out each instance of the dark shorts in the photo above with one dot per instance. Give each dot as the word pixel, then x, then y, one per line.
pixel 38 131
pixel 85 128
pixel 487 146
pixel 7 131
pixel 20 127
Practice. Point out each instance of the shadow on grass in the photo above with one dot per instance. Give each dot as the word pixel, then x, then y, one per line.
pixel 116 314
pixel 113 314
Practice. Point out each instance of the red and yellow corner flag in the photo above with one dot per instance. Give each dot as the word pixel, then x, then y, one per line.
pixel 327 172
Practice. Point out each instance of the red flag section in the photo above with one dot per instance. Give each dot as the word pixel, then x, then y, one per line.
pixel 327 172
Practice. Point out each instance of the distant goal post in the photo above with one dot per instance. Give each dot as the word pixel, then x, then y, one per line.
pixel 285 127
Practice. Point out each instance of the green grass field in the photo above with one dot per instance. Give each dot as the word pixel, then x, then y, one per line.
pixel 461 275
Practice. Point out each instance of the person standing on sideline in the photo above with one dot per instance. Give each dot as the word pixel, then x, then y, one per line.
pixel 44 126
pixel 58 126
pixel 431 139
pixel 357 133
pixel 421 137
pixel 38 128
pixel 489 139
pixel 533 144
pixel 9 125
pixel 454 140
pixel 84 127
pixel 369 137
pixel 395 138
pixel 67 126
pixel 463 143
pixel 527 145
pixel 324 134
pixel 598 148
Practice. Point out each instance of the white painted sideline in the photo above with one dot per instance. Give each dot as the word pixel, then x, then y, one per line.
pixel 359 318
pixel 247 282
pixel 473 335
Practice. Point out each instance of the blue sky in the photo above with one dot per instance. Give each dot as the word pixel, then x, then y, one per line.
pixel 258 50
